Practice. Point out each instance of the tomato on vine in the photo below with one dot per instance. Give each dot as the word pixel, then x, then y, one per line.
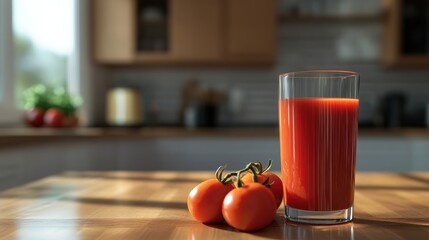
pixel 205 200
pixel 274 183
pixel 249 207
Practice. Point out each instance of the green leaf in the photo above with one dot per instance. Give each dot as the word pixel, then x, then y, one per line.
pixel 45 97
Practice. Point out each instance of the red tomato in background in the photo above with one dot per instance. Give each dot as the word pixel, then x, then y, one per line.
pixel 53 118
pixel 250 207
pixel 276 187
pixel 34 117
pixel 205 200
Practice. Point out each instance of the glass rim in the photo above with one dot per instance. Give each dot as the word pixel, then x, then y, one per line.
pixel 341 74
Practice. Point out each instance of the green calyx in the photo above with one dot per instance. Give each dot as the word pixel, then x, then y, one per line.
pixel 253 167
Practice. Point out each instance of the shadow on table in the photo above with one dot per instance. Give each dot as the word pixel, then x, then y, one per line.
pixel 408 176
pixel 101 175
pixel 280 229
pixel 124 202
pixel 392 188
pixel 415 178
pixel 360 228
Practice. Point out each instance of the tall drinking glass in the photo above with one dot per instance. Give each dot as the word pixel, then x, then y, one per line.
pixel 318 121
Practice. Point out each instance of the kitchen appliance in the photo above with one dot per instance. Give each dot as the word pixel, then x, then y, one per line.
pixel 393 108
pixel 124 107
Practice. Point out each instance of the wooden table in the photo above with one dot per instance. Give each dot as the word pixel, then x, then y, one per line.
pixel 152 205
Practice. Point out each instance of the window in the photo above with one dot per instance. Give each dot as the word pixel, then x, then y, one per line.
pixel 38 40
pixel 8 111
pixel 44 40
pixel 1 52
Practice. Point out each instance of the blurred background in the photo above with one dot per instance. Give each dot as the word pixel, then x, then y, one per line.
pixel 192 84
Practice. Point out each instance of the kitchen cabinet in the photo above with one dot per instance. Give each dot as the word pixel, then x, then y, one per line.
pixel 406 33
pixel 112 41
pixel 251 30
pixel 181 32
pixel 196 30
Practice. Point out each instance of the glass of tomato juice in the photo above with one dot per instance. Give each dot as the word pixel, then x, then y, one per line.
pixel 318 123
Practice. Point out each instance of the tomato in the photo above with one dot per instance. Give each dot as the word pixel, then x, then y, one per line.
pixel 250 207
pixel 34 117
pixel 53 118
pixel 276 184
pixel 205 200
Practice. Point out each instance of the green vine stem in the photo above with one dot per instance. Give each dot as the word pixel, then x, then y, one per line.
pixel 254 168
pixel 224 180
pixel 255 175
pixel 239 182
pixel 270 163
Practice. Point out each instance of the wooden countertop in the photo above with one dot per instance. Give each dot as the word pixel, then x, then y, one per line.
pixel 152 205
pixel 154 132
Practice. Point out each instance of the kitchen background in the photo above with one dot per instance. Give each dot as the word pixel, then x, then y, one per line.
pixel 240 92
pixel 351 44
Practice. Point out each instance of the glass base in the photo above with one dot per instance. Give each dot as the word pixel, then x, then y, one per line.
pixel 319 217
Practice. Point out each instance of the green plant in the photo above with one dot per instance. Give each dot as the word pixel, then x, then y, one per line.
pixel 45 97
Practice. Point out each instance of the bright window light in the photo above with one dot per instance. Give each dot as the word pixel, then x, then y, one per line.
pixel 44 37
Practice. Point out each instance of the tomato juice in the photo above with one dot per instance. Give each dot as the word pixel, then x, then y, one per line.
pixel 318 152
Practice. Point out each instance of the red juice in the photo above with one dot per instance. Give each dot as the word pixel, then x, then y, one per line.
pixel 318 152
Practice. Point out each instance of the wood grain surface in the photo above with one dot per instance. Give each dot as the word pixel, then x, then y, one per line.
pixel 152 205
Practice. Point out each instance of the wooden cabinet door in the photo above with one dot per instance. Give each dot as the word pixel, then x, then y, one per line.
pixel 196 30
pixel 393 39
pixel 114 30
pixel 251 30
